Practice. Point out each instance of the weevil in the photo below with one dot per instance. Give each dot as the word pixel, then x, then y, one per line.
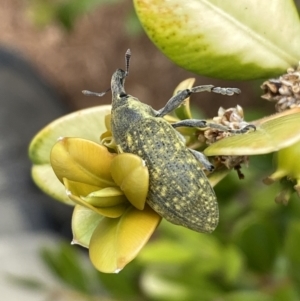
pixel 179 190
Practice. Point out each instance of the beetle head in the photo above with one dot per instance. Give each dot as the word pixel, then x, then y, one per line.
pixel 117 81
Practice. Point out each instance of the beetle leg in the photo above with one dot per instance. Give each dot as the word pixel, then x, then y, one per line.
pixel 202 159
pixel 226 91
pixel 209 125
pixel 175 101
pixel 197 123
pixel 244 130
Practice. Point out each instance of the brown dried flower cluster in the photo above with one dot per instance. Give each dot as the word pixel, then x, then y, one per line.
pixel 285 90
pixel 232 118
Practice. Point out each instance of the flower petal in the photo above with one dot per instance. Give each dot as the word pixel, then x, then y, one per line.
pixel 131 174
pixel 116 242
pixel 84 222
pixel 83 161
pixel 106 197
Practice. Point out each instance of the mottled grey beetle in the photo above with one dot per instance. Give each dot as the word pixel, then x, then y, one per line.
pixel 179 190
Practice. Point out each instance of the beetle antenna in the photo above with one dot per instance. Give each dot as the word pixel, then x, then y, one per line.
pixel 90 93
pixel 127 60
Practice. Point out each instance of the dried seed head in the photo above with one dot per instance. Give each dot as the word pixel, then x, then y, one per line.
pixel 233 119
pixel 284 91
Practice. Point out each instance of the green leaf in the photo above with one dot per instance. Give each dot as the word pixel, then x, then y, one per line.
pixel 287 161
pixel 272 134
pixel 84 223
pixel 248 296
pixel 83 161
pixel 233 262
pixel 88 124
pixel 131 174
pixel 258 238
pixel 45 178
pixel 205 259
pixel 166 252
pixel 27 282
pixel 286 292
pixel 215 177
pixel 116 242
pixel 123 286
pixel 157 285
pixel 178 282
pixel 292 247
pixel 66 12
pixel 65 263
pixel 106 197
pixel 224 38
pixel 112 211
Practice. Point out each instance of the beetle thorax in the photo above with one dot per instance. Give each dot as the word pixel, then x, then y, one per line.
pixel 126 113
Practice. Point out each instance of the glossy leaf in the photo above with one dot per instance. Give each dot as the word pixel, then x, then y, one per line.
pixel 116 242
pixel 83 161
pixel 131 174
pixel 88 124
pixel 45 178
pixel 287 161
pixel 106 197
pixel 112 212
pixel 84 222
pixel 272 134
pixel 78 188
pixel 224 38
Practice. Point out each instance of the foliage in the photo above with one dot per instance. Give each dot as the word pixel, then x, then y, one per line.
pixel 224 39
pixel 254 253
pixel 67 12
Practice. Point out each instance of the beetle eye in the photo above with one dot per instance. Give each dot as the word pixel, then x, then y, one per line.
pixel 122 94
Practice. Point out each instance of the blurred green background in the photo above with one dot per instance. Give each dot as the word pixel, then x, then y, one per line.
pixel 253 254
